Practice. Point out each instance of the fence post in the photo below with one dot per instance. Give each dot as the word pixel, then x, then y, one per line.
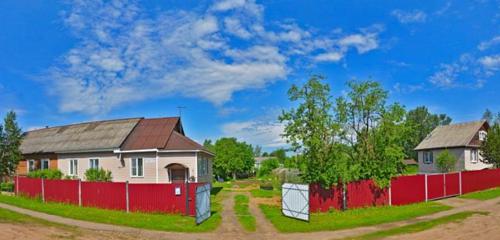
pixel 126 195
pixel 187 196
pixel 43 190
pixel 426 189
pixel 17 184
pixel 390 195
pixel 79 192
pixel 444 184
pixel 460 182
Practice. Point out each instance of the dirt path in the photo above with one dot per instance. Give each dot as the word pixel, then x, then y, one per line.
pixel 231 229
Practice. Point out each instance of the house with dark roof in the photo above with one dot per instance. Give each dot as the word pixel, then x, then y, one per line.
pixel 137 150
pixel 462 139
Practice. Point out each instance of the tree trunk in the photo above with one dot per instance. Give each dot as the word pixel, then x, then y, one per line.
pixel 234 175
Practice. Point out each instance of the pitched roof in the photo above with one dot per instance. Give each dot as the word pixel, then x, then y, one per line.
pixel 178 141
pixel 93 136
pixel 151 133
pixel 454 135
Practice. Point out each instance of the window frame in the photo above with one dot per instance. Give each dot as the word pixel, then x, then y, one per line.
pixel 73 165
pixel 44 161
pixel 426 155
pixel 474 156
pixel 482 135
pixel 136 175
pixel 92 166
pixel 31 162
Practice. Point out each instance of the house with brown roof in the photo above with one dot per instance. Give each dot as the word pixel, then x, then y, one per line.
pixel 137 150
pixel 463 140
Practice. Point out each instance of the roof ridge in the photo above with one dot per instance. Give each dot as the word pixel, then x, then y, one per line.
pixel 89 122
pixel 170 135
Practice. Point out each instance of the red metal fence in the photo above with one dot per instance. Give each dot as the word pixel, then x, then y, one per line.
pixel 404 190
pixel 112 195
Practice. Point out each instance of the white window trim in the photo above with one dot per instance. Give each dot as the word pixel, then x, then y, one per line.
pixel 482 135
pixel 69 167
pixel 98 163
pixel 29 163
pixel 41 163
pixel 474 156
pixel 131 173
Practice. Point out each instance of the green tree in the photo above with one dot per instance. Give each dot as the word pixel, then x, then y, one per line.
pixel 257 151
pixel 490 148
pixel 10 137
pixel 209 145
pixel 310 129
pixel 491 117
pixel 372 131
pixel 446 161
pixel 232 158
pixel 419 123
pixel 280 154
pixel 267 166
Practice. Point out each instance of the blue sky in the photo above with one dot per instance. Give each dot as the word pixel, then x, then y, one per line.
pixel 231 62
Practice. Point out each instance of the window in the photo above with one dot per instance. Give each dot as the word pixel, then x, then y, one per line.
pixel 94 163
pixel 45 164
pixel 474 156
pixel 31 165
pixel 428 157
pixel 73 167
pixel 482 135
pixel 137 167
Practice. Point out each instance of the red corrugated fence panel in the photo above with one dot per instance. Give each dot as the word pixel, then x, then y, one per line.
pixel 435 186
pixel 157 198
pixel 30 187
pixel 65 191
pixel 479 180
pixel 109 195
pixel 452 184
pixel 322 200
pixel 365 194
pixel 408 189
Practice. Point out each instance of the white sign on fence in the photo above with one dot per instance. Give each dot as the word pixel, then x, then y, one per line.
pixel 295 201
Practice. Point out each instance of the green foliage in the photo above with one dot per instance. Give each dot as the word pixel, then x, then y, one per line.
pixel 354 218
pixel 372 132
pixel 7 186
pixel 98 175
pixel 46 174
pixel 490 148
pixel 231 157
pixel 267 166
pixel 310 129
pixel 257 151
pixel 491 117
pixel 243 213
pixel 10 141
pixel 419 123
pixel 280 154
pixel 446 161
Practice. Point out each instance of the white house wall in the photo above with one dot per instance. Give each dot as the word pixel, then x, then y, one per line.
pixel 469 165
pixel 432 168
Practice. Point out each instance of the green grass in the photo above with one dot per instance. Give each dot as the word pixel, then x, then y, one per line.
pixel 163 222
pixel 243 214
pixel 417 227
pixel 261 193
pixel 483 195
pixel 350 219
pixel 411 170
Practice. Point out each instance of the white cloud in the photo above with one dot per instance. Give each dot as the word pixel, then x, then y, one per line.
pixel 124 55
pixel 414 16
pixel 490 43
pixel 491 63
pixel 256 132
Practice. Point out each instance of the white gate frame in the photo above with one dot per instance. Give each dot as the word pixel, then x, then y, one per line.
pixel 295 201
pixel 202 203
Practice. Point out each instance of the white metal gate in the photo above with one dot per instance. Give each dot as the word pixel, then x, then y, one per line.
pixel 202 203
pixel 295 201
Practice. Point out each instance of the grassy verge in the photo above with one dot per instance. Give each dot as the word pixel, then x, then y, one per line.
pixel 162 222
pixel 483 195
pixel 417 227
pixel 351 218
pixel 261 193
pixel 243 214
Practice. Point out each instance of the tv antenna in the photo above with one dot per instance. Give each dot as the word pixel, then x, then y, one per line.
pixel 180 110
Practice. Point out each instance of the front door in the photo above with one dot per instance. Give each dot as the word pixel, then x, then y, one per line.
pixel 178 175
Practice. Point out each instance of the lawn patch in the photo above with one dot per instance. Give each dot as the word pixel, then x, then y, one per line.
pixel 350 219
pixel 418 227
pixel 261 193
pixel 243 214
pixel 163 222
pixel 483 195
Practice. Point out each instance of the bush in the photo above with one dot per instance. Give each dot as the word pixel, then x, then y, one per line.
pixel 7 187
pixel 267 166
pixel 446 161
pixel 46 173
pixel 98 175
